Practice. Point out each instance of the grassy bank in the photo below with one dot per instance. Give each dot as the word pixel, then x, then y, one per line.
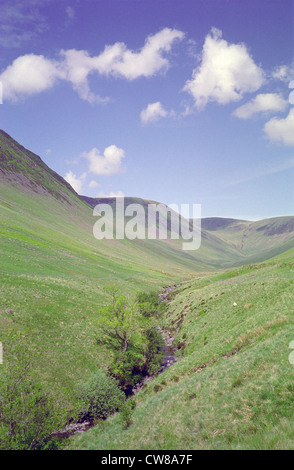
pixel 232 386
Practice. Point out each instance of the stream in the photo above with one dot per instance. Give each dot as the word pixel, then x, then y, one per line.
pixel 167 361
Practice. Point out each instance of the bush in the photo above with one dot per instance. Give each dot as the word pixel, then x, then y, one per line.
pixel 128 368
pixel 149 304
pixel 101 396
pixel 126 412
pixel 154 353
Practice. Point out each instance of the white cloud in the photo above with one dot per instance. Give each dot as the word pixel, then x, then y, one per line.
pixel 74 181
pixel 76 66
pixel 281 130
pixel 149 60
pixel 284 73
pixel 153 112
pixel 226 72
pixel 30 74
pixel 107 164
pixel 264 102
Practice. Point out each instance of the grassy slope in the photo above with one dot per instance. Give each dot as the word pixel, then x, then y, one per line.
pixel 256 241
pixel 53 270
pixel 232 386
pixel 52 276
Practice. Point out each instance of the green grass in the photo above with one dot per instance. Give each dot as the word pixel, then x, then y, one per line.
pixel 232 386
pixel 52 276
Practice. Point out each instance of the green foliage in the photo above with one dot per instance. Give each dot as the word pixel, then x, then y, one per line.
pixel 126 412
pixel 149 304
pixel 154 354
pixel 127 327
pixel 124 330
pixel 101 396
pixel 122 323
pixel 27 415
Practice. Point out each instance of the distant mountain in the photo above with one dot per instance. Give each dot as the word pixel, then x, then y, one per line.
pixel 31 194
pixel 257 240
pixel 40 213
pixel 218 223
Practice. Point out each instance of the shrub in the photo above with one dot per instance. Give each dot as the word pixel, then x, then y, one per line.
pixel 154 354
pixel 149 304
pixel 128 368
pixel 101 396
pixel 126 412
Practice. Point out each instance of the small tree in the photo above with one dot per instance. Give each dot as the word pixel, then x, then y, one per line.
pixel 101 395
pixel 124 329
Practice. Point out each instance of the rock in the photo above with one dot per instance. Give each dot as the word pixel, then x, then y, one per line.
pixel 246 306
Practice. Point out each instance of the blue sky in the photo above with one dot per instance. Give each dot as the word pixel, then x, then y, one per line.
pixel 178 101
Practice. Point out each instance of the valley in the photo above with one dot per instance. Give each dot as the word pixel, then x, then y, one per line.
pixel 231 383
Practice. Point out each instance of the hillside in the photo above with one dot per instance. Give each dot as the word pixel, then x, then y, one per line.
pixel 53 272
pixel 232 384
pixel 25 170
pixel 258 240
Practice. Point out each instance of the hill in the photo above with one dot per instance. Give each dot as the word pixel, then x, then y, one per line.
pixel 53 271
pixel 231 387
pixel 258 240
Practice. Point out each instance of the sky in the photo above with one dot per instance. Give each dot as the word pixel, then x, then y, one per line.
pixel 176 101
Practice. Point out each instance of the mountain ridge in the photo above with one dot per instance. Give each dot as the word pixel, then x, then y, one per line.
pixel 225 241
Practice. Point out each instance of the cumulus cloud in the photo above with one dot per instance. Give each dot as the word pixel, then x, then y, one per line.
pixel 74 181
pixel 281 130
pixel 29 74
pixel 149 60
pixel 262 103
pixel 32 73
pixel 153 112
pixel 107 164
pixel 76 66
pixel 225 73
